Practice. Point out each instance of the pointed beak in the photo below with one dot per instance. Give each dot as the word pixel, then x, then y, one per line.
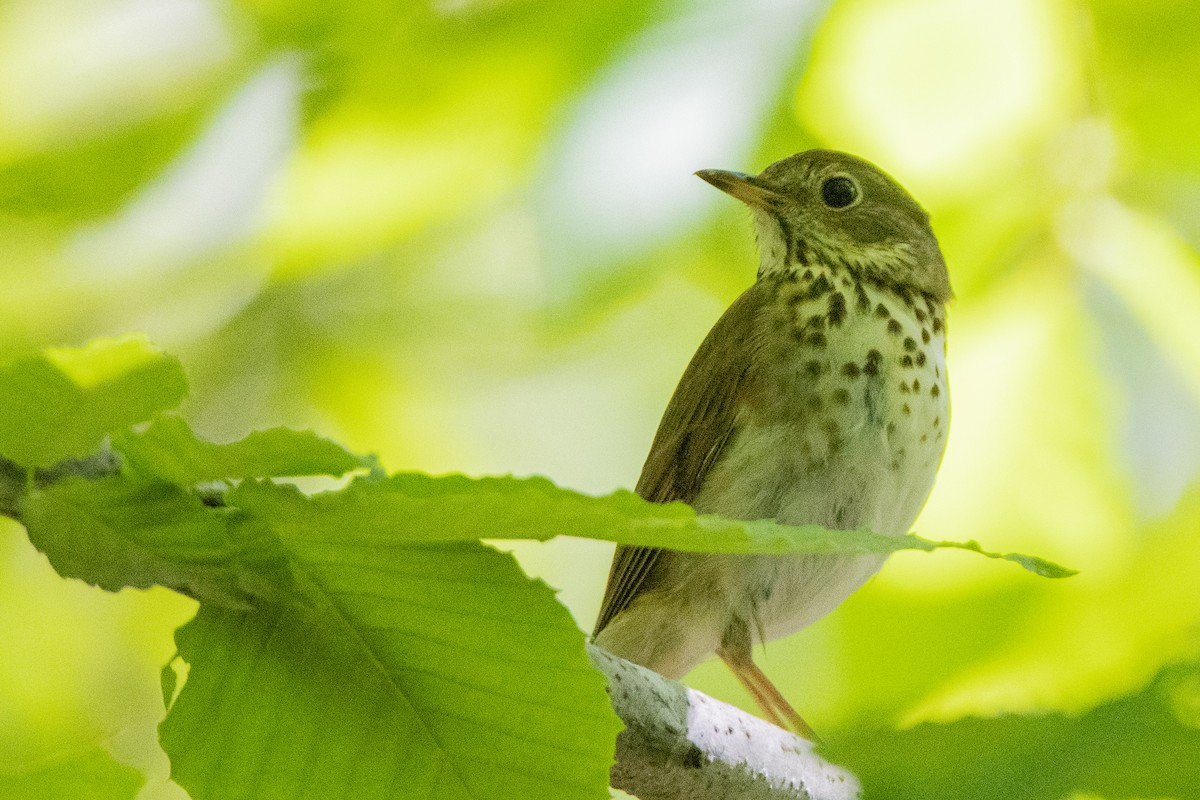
pixel 747 188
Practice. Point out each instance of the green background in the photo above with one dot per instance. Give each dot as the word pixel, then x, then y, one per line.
pixel 465 236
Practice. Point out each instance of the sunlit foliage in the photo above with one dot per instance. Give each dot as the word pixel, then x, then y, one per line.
pixel 464 235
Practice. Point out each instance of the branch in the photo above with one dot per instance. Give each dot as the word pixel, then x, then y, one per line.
pixel 680 744
pixel 14 479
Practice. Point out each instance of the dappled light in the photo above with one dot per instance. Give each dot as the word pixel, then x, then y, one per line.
pixel 466 237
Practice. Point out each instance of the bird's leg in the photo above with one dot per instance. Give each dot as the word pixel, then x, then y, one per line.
pixel 772 702
pixel 747 680
pixel 782 706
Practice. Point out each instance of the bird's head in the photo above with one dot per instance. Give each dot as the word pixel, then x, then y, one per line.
pixel 830 208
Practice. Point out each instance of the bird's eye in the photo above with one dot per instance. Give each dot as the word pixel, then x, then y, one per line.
pixel 839 191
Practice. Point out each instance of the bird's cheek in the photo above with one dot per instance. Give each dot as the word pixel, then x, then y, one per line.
pixel 869 230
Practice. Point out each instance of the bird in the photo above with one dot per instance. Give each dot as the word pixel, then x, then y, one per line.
pixel 819 397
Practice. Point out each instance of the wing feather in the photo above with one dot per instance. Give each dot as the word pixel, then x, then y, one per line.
pixel 699 421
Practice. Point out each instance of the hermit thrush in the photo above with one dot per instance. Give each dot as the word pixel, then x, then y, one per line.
pixel 819 397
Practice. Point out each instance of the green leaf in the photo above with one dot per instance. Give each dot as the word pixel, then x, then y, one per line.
pixel 62 403
pixel 1035 564
pixel 91 774
pixel 1141 745
pixel 117 532
pixel 417 671
pixel 169 451
pixel 459 508
pixel 84 179
pixel 1146 56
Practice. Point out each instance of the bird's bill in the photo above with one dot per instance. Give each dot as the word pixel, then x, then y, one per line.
pixel 746 188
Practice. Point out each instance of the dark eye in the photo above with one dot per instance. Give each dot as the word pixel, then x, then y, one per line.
pixel 839 191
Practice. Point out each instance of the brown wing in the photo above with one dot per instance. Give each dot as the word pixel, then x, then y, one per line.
pixel 697 424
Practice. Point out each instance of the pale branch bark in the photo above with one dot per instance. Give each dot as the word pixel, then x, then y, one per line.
pixel 679 744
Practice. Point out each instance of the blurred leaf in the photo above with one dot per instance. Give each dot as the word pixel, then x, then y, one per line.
pixel 410 53
pixel 1147 56
pixel 365 179
pixel 459 508
pixel 1160 427
pixel 1137 746
pixel 94 177
pixel 1084 643
pixel 89 775
pixel 169 451
pixel 62 403
pixel 1026 464
pixel 332 36
pixel 403 137
pixel 612 192
pixel 99 98
pixel 931 92
pixel 427 672
pixel 116 532
pixel 897 641
pixel 1134 255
